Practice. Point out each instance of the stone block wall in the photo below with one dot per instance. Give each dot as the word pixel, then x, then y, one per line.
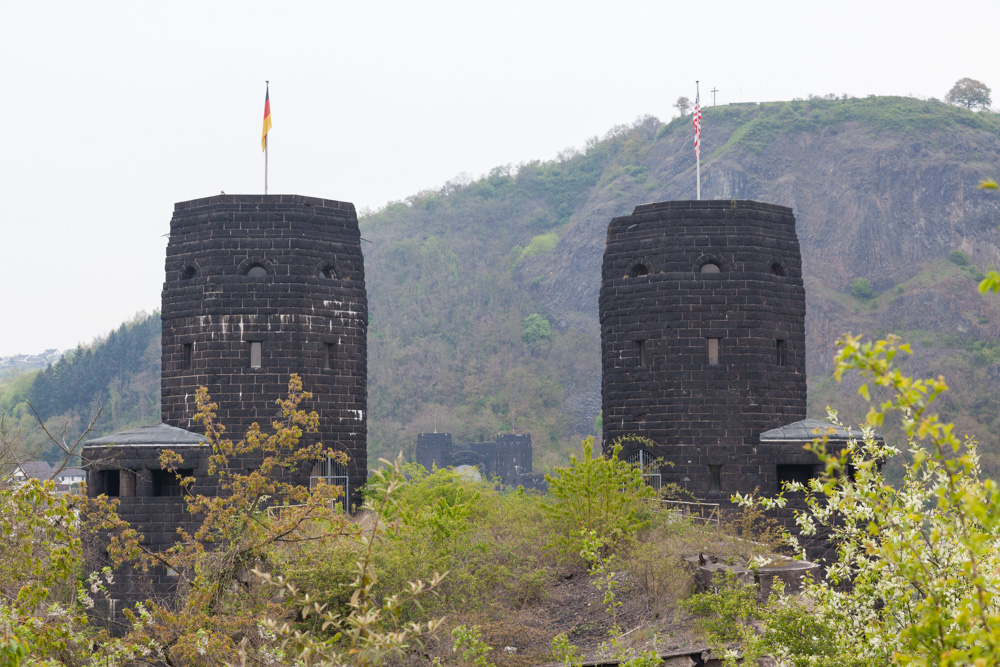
pixel 513 455
pixel 257 288
pixel 151 500
pixel 702 311
pixel 509 457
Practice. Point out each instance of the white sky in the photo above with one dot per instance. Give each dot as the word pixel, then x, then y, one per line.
pixel 113 111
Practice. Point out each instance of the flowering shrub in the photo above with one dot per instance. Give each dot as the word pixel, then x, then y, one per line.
pixel 917 573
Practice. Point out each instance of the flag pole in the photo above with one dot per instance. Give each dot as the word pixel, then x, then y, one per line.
pixel 697 138
pixel 267 97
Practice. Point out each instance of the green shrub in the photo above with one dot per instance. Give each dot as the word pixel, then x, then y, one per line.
pixel 536 328
pixel 491 543
pixel 597 493
pixel 958 258
pixel 861 288
pixel 541 244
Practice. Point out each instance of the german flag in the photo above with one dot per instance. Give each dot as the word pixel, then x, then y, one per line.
pixel 267 119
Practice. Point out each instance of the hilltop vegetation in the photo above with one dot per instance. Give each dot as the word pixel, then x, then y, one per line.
pixel 483 293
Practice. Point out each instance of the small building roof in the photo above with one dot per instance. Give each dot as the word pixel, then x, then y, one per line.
pixel 44 470
pixel 154 434
pixel 807 430
pixel 35 470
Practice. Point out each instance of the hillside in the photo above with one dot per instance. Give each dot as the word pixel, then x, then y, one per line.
pixel 118 375
pixel 883 189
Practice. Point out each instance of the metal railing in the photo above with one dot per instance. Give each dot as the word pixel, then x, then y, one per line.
pixel 334 473
pixel 333 480
pixel 700 512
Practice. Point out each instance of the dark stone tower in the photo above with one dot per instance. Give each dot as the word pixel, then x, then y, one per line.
pixel 257 288
pixel 702 312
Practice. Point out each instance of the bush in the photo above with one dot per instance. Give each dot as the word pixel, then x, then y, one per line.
pixel 597 493
pixel 536 328
pixel 541 244
pixel 918 563
pixel 958 258
pixel 861 288
pixel 490 543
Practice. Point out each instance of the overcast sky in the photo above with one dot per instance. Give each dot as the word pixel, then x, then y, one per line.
pixel 113 111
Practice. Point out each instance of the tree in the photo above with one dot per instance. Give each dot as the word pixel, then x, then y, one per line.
pixel 861 288
pixel 682 105
pixel 227 568
pixel 970 94
pixel 602 496
pixel 917 565
pixel 221 606
pixel 374 631
pixel 536 328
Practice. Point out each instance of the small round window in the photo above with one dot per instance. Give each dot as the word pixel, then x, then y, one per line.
pixel 710 267
pixel 257 271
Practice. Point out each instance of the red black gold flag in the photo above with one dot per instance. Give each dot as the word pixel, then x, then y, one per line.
pixel 267 120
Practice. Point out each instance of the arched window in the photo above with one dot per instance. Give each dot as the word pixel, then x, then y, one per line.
pixel 777 269
pixel 638 270
pixel 189 273
pixel 710 267
pixel 256 271
pixel 328 272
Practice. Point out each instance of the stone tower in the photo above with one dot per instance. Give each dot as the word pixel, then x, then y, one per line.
pixel 257 288
pixel 702 313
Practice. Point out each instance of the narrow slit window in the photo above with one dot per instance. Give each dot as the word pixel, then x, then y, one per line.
pixel 780 352
pixel 713 351
pixel 640 351
pixel 715 479
pixel 188 356
pixel 255 354
pixel 328 355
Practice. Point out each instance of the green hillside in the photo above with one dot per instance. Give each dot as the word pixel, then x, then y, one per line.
pixel 483 294
pixel 883 188
pixel 118 375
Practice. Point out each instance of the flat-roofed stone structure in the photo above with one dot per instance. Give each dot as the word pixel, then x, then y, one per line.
pixel 702 311
pixel 259 287
pixel 126 466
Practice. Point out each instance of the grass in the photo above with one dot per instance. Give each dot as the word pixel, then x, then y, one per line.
pixel 898 115
pixel 506 576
